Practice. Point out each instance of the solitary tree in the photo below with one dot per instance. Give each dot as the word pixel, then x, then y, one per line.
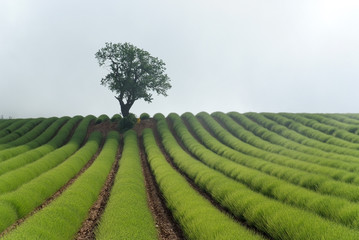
pixel 134 74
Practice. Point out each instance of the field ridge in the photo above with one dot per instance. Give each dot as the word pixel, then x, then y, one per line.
pixel 191 176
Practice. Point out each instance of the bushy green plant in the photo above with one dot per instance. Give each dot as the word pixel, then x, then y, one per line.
pixel 116 118
pixel 144 116
pixel 127 123
pixel 102 118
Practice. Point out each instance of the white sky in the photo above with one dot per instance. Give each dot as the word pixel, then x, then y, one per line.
pixel 221 55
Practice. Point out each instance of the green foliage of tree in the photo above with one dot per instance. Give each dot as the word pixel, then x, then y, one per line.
pixel 134 74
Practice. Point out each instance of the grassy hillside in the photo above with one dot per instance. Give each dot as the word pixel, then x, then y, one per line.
pixel 204 176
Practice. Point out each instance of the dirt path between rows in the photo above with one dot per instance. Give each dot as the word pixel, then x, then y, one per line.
pixel 166 226
pixel 87 230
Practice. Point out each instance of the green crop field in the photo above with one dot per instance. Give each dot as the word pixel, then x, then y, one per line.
pixel 204 176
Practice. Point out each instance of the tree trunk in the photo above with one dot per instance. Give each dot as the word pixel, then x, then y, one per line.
pixel 125 107
pixel 125 110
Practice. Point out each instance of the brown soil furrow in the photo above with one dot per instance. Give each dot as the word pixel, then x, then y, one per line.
pixel 87 230
pixel 56 194
pixel 103 127
pixel 166 226
pixel 201 191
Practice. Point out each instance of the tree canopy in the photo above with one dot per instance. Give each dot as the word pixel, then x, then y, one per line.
pixel 134 74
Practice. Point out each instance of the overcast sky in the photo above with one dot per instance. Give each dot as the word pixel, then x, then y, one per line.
pixel 225 55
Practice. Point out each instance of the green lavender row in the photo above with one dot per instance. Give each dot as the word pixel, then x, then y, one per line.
pixel 272 132
pixel 299 126
pixel 327 126
pixel 278 158
pixel 14 158
pixel 311 181
pixel 15 124
pixel 127 215
pixel 63 217
pixel 302 134
pixel 323 205
pixel 49 133
pixel 102 118
pixel 198 218
pixel 353 115
pixel 9 181
pixel 4 123
pixel 339 121
pixel 30 124
pixel 345 119
pixel 278 220
pixel 297 153
pixel 18 203
pixel 30 135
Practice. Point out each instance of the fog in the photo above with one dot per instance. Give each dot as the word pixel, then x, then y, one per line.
pixel 262 56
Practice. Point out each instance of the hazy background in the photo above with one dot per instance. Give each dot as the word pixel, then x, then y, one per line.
pixel 257 55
